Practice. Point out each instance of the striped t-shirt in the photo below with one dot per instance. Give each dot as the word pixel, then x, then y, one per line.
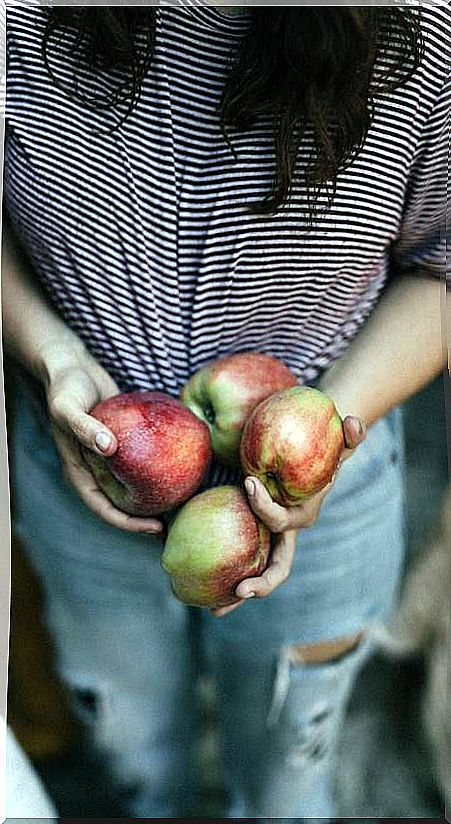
pixel 143 236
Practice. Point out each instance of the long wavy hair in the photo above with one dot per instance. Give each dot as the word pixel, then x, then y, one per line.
pixel 309 68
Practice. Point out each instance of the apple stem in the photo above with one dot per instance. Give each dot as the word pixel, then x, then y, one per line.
pixel 209 413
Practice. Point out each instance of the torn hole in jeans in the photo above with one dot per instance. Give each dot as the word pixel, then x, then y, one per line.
pixel 91 702
pixel 325 652
pixel 333 654
pixel 314 750
pixel 87 701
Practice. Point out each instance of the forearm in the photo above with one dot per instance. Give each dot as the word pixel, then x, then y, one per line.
pixel 399 350
pixel 33 332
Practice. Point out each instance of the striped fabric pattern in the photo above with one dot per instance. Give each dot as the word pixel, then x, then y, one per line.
pixel 143 237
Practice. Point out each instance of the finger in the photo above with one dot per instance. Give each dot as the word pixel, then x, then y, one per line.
pixel 107 386
pixel 354 431
pixel 276 573
pixel 219 612
pixel 85 485
pixel 305 516
pixel 86 429
pixel 276 517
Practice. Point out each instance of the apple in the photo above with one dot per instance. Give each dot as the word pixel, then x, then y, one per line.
pixel 224 392
pixel 214 543
pixel 163 452
pixel 293 442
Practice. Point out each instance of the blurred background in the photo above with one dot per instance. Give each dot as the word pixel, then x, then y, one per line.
pixel 388 760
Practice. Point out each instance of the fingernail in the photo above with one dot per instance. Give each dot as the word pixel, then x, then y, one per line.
pixel 250 487
pixel 103 441
pixel 248 595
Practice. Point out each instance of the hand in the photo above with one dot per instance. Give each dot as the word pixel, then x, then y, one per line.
pixel 285 523
pixel 74 383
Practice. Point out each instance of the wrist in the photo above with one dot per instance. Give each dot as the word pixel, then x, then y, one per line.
pixel 57 356
pixel 347 395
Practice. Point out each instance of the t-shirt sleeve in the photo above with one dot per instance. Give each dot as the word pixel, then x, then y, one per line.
pixel 420 247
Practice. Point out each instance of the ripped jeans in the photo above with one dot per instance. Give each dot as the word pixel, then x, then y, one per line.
pixel 127 651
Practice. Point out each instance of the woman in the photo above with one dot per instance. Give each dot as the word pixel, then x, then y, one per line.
pixel 188 182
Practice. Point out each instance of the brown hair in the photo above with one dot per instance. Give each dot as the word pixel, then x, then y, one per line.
pixel 309 68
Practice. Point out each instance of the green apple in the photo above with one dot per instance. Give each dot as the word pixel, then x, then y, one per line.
pixel 214 543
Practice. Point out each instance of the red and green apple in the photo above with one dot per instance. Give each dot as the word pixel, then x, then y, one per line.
pixel 163 453
pixel 293 442
pixel 214 543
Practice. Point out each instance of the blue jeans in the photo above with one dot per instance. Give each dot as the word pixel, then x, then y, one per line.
pixel 127 648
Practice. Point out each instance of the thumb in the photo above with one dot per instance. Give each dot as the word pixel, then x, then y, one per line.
pixel 354 431
pixel 90 432
pixel 271 513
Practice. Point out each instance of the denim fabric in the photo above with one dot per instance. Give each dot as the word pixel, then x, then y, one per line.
pixel 128 649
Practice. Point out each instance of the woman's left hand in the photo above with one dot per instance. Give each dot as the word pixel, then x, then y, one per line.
pixel 284 524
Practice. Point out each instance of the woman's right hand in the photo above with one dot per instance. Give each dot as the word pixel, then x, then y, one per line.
pixel 74 382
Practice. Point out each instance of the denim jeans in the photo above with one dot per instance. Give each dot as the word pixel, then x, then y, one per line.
pixel 128 650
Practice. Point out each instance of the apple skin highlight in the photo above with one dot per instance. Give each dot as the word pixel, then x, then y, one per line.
pixel 163 453
pixel 293 442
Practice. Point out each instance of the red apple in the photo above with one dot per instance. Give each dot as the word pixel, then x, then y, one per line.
pixel 162 457
pixel 214 543
pixel 225 392
pixel 293 442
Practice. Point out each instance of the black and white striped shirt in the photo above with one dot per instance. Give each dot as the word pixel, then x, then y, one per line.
pixel 143 238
